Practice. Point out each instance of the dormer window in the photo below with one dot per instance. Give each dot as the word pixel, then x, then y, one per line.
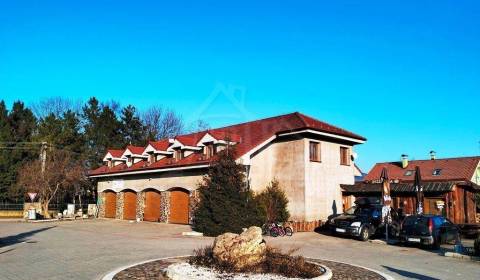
pixel 209 150
pixel 436 172
pixel 110 163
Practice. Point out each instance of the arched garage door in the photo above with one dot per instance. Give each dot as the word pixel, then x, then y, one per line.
pixel 152 209
pixel 129 205
pixel 110 204
pixel 179 206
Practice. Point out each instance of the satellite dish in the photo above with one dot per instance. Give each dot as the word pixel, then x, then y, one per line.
pixel 354 156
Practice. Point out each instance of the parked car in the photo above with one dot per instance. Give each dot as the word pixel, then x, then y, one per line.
pixel 362 221
pixel 430 230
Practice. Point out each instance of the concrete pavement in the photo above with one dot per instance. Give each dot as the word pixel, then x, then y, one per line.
pixel 91 248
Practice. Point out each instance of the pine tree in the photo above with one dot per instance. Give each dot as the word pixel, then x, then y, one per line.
pixel 5 136
pixel 225 203
pixel 101 131
pixel 132 129
pixel 21 124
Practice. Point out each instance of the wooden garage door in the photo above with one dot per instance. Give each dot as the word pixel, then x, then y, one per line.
pixel 110 204
pixel 129 205
pixel 152 206
pixel 178 207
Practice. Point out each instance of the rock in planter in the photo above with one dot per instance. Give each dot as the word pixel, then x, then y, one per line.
pixel 240 250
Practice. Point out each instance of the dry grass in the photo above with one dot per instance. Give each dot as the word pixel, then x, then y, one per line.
pixel 275 262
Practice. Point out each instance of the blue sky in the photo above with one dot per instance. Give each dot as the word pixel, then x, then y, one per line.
pixel 404 74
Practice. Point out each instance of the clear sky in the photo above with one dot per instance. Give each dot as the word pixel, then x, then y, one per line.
pixel 404 74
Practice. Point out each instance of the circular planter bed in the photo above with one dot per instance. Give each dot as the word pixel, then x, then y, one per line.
pixel 157 269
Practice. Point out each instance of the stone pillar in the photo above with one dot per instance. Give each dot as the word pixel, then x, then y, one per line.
pixel 140 205
pixel 101 205
pixel 165 204
pixel 194 202
pixel 119 212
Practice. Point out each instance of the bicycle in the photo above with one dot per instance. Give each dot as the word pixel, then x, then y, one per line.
pixel 276 230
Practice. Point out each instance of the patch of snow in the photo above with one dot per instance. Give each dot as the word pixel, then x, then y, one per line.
pixel 185 271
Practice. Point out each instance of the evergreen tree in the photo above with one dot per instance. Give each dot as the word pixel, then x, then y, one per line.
pixel 62 132
pixel 225 203
pixel 21 125
pixel 5 136
pixel 132 129
pixel 274 201
pixel 101 131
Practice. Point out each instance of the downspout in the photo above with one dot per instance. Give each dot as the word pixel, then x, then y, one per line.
pixel 247 183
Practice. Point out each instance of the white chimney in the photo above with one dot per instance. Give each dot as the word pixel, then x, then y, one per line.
pixel 433 155
pixel 404 161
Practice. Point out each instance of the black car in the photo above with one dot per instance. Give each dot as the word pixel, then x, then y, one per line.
pixel 431 230
pixel 362 221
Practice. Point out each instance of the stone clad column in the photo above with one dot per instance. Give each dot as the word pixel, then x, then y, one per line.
pixel 165 204
pixel 101 205
pixel 119 212
pixel 140 205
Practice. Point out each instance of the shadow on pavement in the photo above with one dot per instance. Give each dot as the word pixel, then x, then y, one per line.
pixel 409 274
pixel 21 237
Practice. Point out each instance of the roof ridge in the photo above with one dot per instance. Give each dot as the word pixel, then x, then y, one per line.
pixel 414 160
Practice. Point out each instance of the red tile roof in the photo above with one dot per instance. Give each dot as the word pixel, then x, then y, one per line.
pixel 135 149
pixel 116 153
pixel 452 169
pixel 161 145
pixel 248 136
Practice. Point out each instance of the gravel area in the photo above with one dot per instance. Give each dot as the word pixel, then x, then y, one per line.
pixel 342 271
pixel 155 270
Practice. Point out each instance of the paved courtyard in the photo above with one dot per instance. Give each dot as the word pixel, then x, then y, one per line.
pixel 89 249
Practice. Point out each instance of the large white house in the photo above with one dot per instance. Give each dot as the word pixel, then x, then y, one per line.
pixel 309 158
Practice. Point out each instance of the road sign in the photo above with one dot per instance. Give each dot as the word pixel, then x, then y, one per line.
pixel 32 196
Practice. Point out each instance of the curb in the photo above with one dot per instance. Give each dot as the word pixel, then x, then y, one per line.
pixel 328 272
pixel 111 274
pixel 461 256
pixel 384 275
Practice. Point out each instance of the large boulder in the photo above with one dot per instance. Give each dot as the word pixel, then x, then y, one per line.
pixel 240 250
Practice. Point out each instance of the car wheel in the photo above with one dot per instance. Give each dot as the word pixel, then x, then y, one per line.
pixel 364 234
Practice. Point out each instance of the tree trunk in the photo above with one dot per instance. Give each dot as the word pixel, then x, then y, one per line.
pixel 44 204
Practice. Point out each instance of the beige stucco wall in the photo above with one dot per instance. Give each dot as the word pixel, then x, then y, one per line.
pixel 285 162
pixel 313 188
pixel 323 195
pixel 160 181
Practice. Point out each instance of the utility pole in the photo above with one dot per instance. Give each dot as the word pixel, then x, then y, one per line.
pixel 43 155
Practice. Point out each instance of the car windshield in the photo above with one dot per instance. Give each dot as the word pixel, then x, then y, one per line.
pixel 411 220
pixel 360 211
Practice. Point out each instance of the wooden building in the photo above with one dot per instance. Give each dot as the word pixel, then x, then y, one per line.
pixel 449 187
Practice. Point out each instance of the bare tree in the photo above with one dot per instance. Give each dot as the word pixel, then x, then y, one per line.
pixel 55 105
pixel 60 172
pixel 161 123
pixel 199 125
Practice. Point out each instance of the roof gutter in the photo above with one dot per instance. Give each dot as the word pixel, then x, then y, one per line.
pixel 358 141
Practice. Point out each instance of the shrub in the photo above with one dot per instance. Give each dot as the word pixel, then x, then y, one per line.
pixel 275 262
pixel 274 201
pixel 226 205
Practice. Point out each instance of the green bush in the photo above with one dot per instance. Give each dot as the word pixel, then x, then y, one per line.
pixel 226 204
pixel 274 202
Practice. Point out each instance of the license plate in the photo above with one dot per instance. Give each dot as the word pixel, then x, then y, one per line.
pixel 339 230
pixel 413 239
